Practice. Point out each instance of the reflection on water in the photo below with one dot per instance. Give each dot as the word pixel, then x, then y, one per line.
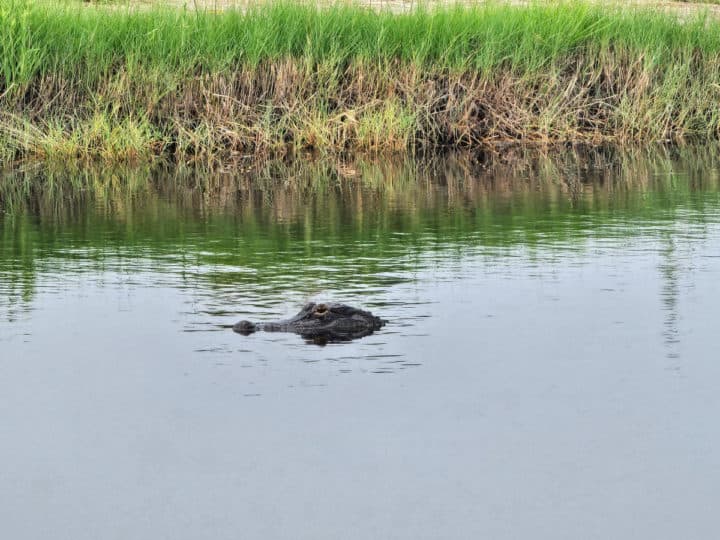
pixel 259 245
pixel 549 349
pixel 670 293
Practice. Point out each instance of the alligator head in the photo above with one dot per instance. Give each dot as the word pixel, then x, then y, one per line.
pixel 321 323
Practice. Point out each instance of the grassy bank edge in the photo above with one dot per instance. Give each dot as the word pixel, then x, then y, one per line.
pixel 93 83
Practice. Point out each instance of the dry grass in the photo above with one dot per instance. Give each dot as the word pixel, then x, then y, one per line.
pixel 684 8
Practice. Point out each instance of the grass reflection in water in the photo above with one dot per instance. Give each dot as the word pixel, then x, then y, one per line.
pixel 358 225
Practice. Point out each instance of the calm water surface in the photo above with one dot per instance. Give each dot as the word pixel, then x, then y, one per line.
pixel 549 370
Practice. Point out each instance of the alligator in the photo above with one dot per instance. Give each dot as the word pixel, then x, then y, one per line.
pixel 321 323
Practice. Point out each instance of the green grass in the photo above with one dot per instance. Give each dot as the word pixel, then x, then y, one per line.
pixel 88 81
pixel 81 42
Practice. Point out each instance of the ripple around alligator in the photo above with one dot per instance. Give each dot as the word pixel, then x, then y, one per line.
pixel 548 370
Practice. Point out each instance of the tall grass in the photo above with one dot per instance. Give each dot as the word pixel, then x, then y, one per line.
pixel 79 81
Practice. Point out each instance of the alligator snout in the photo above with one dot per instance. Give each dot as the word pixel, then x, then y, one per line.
pixel 245 327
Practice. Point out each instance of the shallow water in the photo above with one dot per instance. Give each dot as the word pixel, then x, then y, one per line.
pixel 549 369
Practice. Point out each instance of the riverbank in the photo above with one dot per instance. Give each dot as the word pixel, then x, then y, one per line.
pixel 79 82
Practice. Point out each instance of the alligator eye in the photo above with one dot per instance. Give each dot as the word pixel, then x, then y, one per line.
pixel 321 310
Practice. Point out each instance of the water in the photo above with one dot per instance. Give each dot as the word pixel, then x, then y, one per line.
pixel 549 369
